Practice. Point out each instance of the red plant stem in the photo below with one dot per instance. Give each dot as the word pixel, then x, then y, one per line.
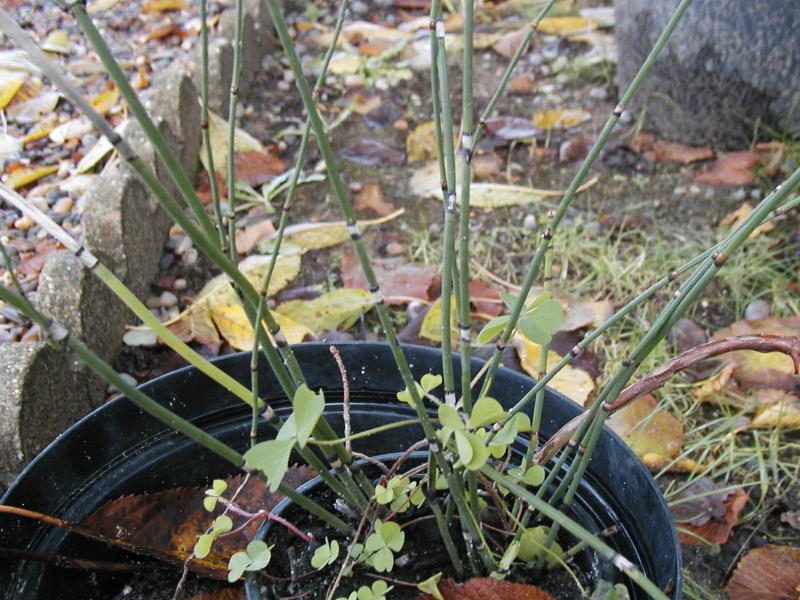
pixel 788 345
pixel 263 514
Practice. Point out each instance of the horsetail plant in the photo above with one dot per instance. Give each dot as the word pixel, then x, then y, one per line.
pixel 464 475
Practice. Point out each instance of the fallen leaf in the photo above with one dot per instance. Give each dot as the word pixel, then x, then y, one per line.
pixel 58 41
pixel 654 435
pixel 686 334
pixel 10 84
pixel 233 325
pixel 400 281
pixel 575 384
pixel 371 152
pixel 257 168
pixel 345 63
pixel 106 100
pixel 699 502
pixel 586 314
pixel 163 5
pixel 337 309
pixel 560 117
pixel 71 130
pixel 565 25
pixel 31 110
pixel 485 299
pixel 716 530
pixel 496 195
pixel 421 143
pixel 506 46
pixel 486 166
pixel 511 128
pixel 10 147
pixel 316 236
pixel 195 324
pixel 734 219
pixel 162 30
pixel 249 237
pixel 522 84
pixel 166 524
pixel 785 412
pixel 370 197
pixel 488 588
pixel 768 573
pixel 431 327
pixel 97 6
pixel 218 139
pixel 734 168
pixel 663 151
pixel 27 175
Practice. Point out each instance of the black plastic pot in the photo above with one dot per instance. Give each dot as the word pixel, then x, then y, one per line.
pixel 118 450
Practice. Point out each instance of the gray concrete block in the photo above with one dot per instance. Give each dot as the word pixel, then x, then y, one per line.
pixel 40 396
pixel 729 69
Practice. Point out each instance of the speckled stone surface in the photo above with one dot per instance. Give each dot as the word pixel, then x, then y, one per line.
pixel 730 69
pixel 40 396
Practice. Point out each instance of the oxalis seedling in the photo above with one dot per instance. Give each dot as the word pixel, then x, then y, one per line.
pixel 506 508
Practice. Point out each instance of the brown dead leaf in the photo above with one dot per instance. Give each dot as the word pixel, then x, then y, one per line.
pixel 699 502
pixel 162 30
pixel 654 435
pixel 768 573
pixel 587 314
pixel 400 280
pixel 716 530
pixel 256 168
pixel 249 237
pixel 507 45
pixel 734 219
pixel 484 298
pixel 26 175
pixel 734 168
pixel 166 524
pixel 487 588
pixel 777 409
pixel 663 151
pixel 370 197
pixel 486 166
pixel 522 84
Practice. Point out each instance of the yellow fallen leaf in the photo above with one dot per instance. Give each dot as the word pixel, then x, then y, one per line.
pixel 783 413
pixel 219 291
pixel 431 327
pixel 316 236
pixel 574 383
pixel 22 177
pixel 163 5
pixel 105 101
pixel 10 83
pixel 421 143
pixel 58 42
pixel 565 25
pixel 344 63
pixel 218 138
pixel 234 326
pixel 293 331
pixel 38 133
pixel 560 117
pixel 654 435
pixel 734 219
pixel 586 314
pixel 337 309
pixel 195 324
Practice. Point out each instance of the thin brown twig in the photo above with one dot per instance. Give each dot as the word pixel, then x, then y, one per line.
pixel 788 345
pixel 345 400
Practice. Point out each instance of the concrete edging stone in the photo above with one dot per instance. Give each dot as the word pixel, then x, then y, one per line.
pixel 42 391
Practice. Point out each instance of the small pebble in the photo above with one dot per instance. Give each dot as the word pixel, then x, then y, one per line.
pixel 63 169
pixel 679 190
pixel 183 246
pixel 435 229
pixel 180 285
pixel 382 84
pixel 34 334
pixel 400 125
pixel 63 205
pixel 153 302
pixel 39 202
pixel 757 309
pixel 355 186
pixel 530 222
pixel 23 223
pixel 284 86
pixel 359 8
pixel 694 190
pixel 395 249
pixel 190 257
pixel 167 299
pixel 755 194
pixel 598 93
pixel 171 243
pixel 173 313
pixel 739 194
pixel 166 261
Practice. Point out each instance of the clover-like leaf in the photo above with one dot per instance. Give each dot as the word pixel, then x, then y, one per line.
pixel 430 382
pixel 260 554
pixel 485 411
pixel 448 417
pixel 532 546
pixel 492 329
pixel 392 535
pixel 383 560
pixel 479 453
pixel 218 487
pixel 202 547
pixel 542 321
pixel 271 458
pixel 237 564
pixel 326 554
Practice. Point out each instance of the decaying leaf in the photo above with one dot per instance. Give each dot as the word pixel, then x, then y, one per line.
pixel 488 588
pixel 699 502
pixel 232 323
pixel 31 110
pixel 781 410
pixel 663 151
pixel 768 573
pixel 27 175
pixel 371 197
pixel 316 236
pixel 71 130
pixel 574 383
pixel 218 139
pixel 654 435
pixel 256 168
pixel 106 100
pixel 400 280
pixel 337 309
pixel 507 44
pixel 163 5
pixel 735 218
pixel 565 25
pixel 484 298
pixel 10 83
pixel 249 237
pixel 228 593
pixel 421 143
pixel 560 117
pixel 431 327
pixel 587 314
pixel 716 530
pixel 166 524
pixel 734 168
